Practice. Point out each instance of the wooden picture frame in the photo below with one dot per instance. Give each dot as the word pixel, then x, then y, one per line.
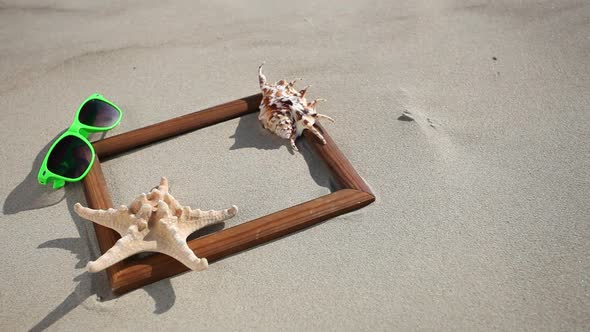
pixel 130 274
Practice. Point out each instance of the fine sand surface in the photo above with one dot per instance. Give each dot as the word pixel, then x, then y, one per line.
pixel 482 218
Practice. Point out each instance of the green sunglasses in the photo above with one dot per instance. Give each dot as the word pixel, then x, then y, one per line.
pixel 71 155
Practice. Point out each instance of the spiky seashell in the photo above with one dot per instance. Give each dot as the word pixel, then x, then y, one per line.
pixel 153 222
pixel 285 111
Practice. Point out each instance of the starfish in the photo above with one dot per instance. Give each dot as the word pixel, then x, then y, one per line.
pixel 153 222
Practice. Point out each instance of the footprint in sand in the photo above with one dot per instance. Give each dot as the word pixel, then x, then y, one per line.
pixel 457 166
pixel 431 128
pixel 408 116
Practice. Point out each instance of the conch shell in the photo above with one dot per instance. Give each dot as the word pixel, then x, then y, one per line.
pixel 153 222
pixel 285 112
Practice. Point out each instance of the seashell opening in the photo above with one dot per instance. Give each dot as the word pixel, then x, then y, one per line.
pixel 284 132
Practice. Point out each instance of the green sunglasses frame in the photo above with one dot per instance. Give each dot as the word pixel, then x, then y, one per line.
pixel 81 131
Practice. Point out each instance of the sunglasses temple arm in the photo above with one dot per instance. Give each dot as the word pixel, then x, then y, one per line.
pixel 58 184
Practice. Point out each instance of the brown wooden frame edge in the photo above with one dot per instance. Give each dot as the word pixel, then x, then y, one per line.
pixel 129 275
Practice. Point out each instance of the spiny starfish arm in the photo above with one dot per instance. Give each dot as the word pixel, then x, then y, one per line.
pixel 172 203
pixel 164 185
pixel 159 192
pixel 197 219
pixel 155 195
pixel 145 212
pixel 162 211
pixel 138 203
pixel 117 219
pixel 127 246
pixel 143 215
pixel 182 253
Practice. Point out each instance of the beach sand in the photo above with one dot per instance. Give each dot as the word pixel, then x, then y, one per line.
pixel 482 214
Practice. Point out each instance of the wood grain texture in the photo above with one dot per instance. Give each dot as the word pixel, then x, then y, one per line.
pixel 337 161
pixel 134 273
pixel 114 145
pixel 98 197
pixel 247 235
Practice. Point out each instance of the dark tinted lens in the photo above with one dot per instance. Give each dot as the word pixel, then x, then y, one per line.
pixel 70 157
pixel 97 113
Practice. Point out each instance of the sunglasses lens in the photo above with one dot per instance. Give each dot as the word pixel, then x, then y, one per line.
pixel 97 113
pixel 70 157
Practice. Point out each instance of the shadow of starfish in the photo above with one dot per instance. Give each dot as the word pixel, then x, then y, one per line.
pixel 30 195
pixel 90 284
